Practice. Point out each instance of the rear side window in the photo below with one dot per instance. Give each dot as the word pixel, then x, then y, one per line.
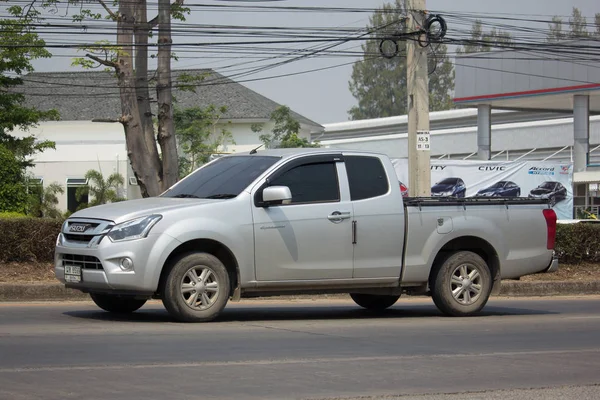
pixel 366 176
pixel 311 183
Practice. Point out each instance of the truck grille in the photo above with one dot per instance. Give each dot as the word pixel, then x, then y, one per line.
pixel 78 238
pixel 83 232
pixel 85 262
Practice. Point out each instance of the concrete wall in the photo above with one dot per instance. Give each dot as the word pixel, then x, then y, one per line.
pixel 81 146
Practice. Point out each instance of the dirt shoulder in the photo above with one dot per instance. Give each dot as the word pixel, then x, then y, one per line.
pixel 44 272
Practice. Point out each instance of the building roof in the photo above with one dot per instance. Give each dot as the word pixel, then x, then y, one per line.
pixel 519 79
pixel 93 95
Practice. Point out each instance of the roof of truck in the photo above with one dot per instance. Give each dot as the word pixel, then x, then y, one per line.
pixel 288 153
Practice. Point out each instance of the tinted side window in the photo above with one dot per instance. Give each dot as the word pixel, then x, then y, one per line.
pixel 366 176
pixel 311 183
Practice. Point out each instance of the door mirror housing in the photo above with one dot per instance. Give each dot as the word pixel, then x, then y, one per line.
pixel 275 195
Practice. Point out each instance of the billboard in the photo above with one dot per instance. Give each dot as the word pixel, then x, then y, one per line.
pixel 533 179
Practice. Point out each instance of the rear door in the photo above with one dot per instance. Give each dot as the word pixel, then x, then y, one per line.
pixel 378 217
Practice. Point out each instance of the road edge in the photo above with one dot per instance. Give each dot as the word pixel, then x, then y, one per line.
pixel 23 292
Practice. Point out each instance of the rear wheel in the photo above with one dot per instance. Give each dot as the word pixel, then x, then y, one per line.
pixel 196 288
pixel 117 304
pixel 374 301
pixel 461 285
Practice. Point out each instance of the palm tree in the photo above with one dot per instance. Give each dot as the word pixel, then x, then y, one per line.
pixel 100 191
pixel 44 203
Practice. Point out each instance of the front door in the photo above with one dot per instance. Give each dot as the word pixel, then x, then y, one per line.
pixel 310 238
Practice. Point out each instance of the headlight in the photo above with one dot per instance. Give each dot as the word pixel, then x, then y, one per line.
pixel 135 229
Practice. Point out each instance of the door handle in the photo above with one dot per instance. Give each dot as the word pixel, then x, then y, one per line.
pixel 338 216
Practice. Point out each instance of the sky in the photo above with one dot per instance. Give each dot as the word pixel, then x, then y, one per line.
pixel 322 96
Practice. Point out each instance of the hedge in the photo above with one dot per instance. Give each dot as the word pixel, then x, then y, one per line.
pixel 577 243
pixel 28 239
pixel 33 240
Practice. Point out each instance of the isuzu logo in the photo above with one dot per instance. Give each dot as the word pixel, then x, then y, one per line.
pixel 78 227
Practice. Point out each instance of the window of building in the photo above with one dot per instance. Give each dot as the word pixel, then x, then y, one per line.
pixel 74 201
pixel 311 183
pixel 366 176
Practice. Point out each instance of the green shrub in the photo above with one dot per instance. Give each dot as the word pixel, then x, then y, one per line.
pixel 577 243
pixel 28 239
pixel 11 215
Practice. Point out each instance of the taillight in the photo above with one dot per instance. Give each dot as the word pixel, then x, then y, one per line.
pixel 550 216
pixel 403 189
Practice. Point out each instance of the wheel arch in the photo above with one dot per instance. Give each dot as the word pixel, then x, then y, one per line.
pixel 477 245
pixel 210 246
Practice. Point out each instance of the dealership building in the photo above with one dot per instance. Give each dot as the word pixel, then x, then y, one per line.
pixel 513 105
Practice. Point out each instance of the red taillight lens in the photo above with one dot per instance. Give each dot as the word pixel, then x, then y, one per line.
pixel 550 216
pixel 403 189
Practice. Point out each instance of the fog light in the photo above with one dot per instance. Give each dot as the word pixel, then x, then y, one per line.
pixel 126 264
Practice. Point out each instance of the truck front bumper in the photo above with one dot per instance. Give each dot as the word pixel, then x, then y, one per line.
pixel 102 266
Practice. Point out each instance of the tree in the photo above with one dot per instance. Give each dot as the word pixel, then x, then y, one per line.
pixel 379 83
pixel 101 190
pixel 284 133
pixel 200 135
pixel 44 203
pixel 13 197
pixel 155 170
pixel 485 41
pixel 578 27
pixel 19 46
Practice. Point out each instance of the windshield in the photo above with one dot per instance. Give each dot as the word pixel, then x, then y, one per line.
pixel 547 185
pixel 449 181
pixel 224 178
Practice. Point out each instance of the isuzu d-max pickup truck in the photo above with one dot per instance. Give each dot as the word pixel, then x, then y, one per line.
pixel 279 222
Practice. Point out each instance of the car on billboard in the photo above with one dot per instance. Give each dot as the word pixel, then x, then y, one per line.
pixel 449 187
pixel 552 190
pixel 403 189
pixel 501 189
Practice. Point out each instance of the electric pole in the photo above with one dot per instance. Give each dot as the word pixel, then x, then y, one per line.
pixel 419 143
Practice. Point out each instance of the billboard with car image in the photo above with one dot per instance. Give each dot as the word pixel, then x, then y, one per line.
pixel 532 179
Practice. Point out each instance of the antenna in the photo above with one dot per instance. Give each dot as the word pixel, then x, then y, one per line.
pixel 253 151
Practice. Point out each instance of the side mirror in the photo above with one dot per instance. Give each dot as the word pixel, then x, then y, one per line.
pixel 274 195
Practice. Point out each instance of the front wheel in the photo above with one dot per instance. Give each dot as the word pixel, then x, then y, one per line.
pixel 196 289
pixel 117 304
pixel 462 284
pixel 374 301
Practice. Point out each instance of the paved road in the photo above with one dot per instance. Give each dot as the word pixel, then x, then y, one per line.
pixel 299 350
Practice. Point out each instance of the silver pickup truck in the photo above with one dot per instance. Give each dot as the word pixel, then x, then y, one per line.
pixel 300 222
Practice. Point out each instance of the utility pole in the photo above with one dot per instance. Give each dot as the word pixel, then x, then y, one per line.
pixel 419 143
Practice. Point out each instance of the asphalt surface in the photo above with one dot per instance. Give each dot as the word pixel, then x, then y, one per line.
pixel 330 349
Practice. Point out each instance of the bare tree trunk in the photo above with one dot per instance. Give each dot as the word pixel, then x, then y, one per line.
pixel 142 30
pixel 146 173
pixel 166 134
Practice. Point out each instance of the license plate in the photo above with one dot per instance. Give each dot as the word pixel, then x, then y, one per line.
pixel 72 273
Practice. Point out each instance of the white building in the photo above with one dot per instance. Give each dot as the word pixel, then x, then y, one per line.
pixel 84 140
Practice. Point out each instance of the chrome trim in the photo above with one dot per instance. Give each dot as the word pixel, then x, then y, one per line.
pixel 90 237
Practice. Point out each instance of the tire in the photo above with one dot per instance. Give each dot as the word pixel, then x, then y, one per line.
pixel 196 288
pixel 374 301
pixel 446 281
pixel 552 202
pixel 117 304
